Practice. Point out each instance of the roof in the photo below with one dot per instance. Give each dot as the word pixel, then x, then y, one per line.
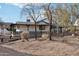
pixel 31 23
pixel 5 23
pixel 41 22
pixel 27 23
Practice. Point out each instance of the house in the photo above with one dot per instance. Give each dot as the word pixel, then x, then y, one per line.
pixel 30 26
pixel 42 26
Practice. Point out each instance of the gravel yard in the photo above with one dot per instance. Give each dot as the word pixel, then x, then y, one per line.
pixel 61 46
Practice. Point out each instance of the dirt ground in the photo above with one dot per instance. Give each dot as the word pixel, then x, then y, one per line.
pixel 59 46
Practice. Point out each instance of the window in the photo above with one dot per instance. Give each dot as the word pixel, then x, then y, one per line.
pixel 41 27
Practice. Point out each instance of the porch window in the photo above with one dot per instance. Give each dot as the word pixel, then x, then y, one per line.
pixel 41 27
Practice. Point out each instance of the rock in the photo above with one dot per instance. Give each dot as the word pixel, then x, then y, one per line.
pixel 73 35
pixel 44 36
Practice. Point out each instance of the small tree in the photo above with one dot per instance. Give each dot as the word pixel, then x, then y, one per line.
pixel 62 17
pixel 74 13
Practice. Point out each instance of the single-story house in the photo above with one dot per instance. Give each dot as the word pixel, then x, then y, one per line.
pixel 30 26
pixel 42 26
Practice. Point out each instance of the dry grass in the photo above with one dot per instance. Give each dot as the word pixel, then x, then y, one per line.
pixel 48 48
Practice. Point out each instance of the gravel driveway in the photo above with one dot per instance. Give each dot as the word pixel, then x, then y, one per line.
pixel 9 52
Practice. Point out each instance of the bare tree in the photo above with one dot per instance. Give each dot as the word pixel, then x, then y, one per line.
pixel 31 12
pixel 48 14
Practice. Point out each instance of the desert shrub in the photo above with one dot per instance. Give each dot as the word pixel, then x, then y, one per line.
pixel 72 29
pixel 24 36
pixel 12 30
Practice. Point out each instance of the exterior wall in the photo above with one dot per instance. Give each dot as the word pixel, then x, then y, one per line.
pixel 47 28
pixel 31 28
pixel 21 27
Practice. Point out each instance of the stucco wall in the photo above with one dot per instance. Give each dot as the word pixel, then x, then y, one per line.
pixel 31 28
pixel 21 27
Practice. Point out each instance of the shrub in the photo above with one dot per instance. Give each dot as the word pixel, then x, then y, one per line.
pixel 12 30
pixel 72 29
pixel 24 36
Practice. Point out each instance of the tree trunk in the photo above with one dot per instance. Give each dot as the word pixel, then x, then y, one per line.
pixel 57 30
pixel 50 32
pixel 63 32
pixel 41 32
pixel 35 32
pixel 50 27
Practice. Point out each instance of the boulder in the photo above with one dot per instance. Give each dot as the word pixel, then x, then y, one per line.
pixel 44 36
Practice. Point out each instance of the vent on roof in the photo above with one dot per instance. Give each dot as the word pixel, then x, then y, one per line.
pixel 28 20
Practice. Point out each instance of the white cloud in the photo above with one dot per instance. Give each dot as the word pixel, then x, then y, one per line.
pixel 20 5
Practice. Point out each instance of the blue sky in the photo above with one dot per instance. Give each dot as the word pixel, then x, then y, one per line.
pixel 10 12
